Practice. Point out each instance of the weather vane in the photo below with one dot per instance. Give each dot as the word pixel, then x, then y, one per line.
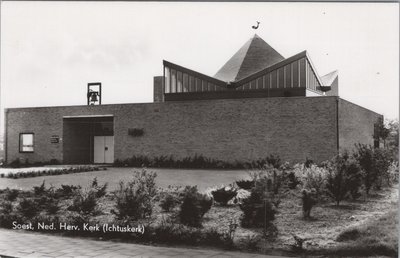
pixel 256 27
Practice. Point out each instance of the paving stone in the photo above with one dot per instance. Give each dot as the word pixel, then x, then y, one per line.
pixel 29 244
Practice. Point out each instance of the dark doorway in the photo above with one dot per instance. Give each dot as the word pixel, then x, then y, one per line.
pixel 78 137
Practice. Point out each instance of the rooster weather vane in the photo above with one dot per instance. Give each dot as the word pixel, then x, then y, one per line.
pixel 256 27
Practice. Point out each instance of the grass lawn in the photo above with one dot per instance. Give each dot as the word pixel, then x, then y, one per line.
pixel 329 221
pixel 180 177
pixel 378 235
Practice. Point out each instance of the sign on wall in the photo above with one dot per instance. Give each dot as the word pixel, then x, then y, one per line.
pixel 55 139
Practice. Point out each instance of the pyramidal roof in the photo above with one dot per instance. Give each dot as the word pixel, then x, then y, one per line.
pixel 328 79
pixel 252 57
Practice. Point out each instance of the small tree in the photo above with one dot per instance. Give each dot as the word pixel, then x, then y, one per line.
pixel 313 177
pixel 343 178
pixel 364 155
pixel 375 163
pixel 381 164
pixel 258 208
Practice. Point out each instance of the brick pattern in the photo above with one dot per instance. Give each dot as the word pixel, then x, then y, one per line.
pixel 294 128
pixel 44 123
pixel 356 125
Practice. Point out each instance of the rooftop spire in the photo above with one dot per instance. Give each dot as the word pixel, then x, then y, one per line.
pixel 253 56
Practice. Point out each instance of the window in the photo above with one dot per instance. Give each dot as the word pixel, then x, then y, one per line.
pixel 26 142
pixel 167 79
pixel 179 82
pixel 173 81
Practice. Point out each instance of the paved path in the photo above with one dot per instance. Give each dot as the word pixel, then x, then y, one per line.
pixel 23 244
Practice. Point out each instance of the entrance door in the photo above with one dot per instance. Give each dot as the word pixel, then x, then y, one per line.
pixel 103 149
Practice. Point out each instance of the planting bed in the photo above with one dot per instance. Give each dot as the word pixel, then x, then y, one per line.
pixel 320 232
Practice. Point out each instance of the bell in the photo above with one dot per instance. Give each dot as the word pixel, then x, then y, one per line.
pixel 93 97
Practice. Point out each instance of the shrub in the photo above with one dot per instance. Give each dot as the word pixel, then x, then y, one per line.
pixel 27 207
pixel 313 177
pixel 353 177
pixel 344 178
pixel 382 162
pixel 393 173
pixel 274 161
pixel 7 216
pixel 168 202
pixel 308 163
pixel 135 198
pixel 85 203
pixel 224 194
pixel 374 163
pixel 258 209
pixel 52 206
pixel 10 194
pixel 67 190
pixel 364 156
pixel 54 162
pixel 214 236
pixel 168 231
pixel 308 200
pixel 245 184
pixel 251 242
pixel 39 190
pixel 240 196
pixel 292 180
pixel 193 207
pixel 273 181
pixel 100 190
pixel 6 207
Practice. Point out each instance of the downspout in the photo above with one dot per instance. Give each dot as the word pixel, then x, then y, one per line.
pixel 337 125
pixel 5 136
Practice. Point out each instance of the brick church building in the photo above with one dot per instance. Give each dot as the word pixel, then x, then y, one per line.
pixel 259 103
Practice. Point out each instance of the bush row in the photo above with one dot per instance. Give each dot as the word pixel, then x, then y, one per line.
pixel 18 163
pixel 197 161
pixel 51 172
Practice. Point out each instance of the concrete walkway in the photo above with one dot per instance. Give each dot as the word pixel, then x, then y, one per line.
pixel 22 244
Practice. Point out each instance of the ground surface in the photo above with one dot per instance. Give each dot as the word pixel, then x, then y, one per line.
pixel 202 178
pixel 321 231
pixel 327 222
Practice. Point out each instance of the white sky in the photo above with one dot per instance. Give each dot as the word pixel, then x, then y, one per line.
pixel 51 50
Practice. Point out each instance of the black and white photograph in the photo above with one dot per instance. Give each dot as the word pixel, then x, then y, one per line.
pixel 199 129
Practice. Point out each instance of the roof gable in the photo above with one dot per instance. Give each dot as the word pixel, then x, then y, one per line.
pixel 252 57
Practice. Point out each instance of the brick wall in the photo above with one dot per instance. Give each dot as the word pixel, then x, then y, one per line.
pixel 237 129
pixel 43 122
pixel 356 125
